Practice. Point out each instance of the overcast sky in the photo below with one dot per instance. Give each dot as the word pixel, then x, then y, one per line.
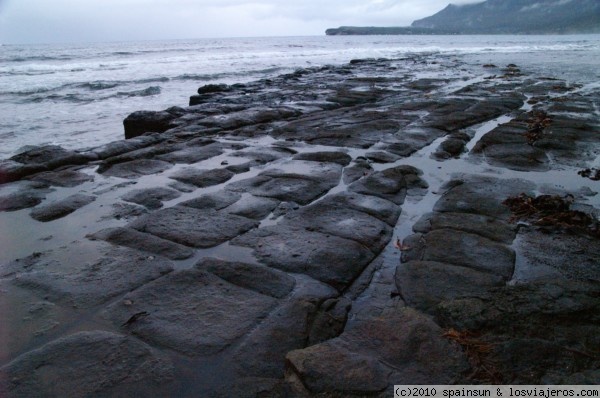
pixel 43 21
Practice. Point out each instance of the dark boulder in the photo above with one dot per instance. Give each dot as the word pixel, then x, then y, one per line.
pixel 141 122
pixel 213 88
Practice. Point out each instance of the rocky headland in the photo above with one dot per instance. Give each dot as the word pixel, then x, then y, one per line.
pixel 498 17
pixel 329 232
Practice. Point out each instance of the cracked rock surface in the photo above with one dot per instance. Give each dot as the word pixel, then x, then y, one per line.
pixel 330 232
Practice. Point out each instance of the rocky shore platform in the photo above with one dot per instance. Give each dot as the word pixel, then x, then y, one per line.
pixel 329 232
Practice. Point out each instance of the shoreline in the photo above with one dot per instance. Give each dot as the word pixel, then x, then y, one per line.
pixel 335 230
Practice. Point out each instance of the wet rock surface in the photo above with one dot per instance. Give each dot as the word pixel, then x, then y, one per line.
pixel 85 274
pixel 63 178
pixel 328 232
pixel 22 195
pixel 138 240
pixel 203 178
pixel 191 311
pixel 151 198
pixel 61 208
pixel 107 364
pixel 406 347
pixel 193 227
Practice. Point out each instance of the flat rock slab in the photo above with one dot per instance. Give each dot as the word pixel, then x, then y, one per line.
pixel 250 116
pixel 535 328
pixel 52 157
pixel 379 208
pixel 341 158
pixel 253 207
pixel 310 170
pixel 451 147
pixel 145 242
pixel 144 153
pixel 193 154
pixel 538 141
pixel 406 347
pixel 307 314
pixel 85 274
pixel 262 155
pixel 214 200
pixel 203 178
pixel 327 258
pixel 458 113
pixel 467 250
pixel 287 189
pixel 485 226
pixel 116 148
pixel 424 284
pixel 390 184
pixel 30 322
pixel 191 311
pixel 382 157
pixel 193 227
pixel 84 364
pixel 152 198
pixel 125 211
pixel 360 168
pixel 481 195
pixel 356 128
pixel 20 195
pixel 517 157
pixel 250 387
pixel 411 139
pixel 548 256
pixel 332 218
pixel 63 178
pixel 14 171
pixel 137 168
pixel 529 307
pixel 264 280
pixel 61 208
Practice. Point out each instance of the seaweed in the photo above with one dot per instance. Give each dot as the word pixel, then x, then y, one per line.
pixel 536 124
pixel 552 212
pixel 593 174
pixel 478 352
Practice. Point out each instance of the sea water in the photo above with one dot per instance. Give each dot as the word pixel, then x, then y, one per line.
pixel 77 95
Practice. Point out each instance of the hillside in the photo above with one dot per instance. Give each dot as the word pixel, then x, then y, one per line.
pixel 517 16
pixel 499 17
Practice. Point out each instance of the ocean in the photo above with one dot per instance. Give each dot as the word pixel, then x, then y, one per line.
pixel 77 95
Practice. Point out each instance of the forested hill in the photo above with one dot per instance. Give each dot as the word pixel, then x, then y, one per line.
pixel 517 16
pixel 499 17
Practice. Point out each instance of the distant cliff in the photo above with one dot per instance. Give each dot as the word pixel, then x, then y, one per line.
pixel 518 16
pixel 394 30
pixel 500 17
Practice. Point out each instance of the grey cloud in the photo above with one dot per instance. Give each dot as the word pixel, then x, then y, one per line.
pixel 96 20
